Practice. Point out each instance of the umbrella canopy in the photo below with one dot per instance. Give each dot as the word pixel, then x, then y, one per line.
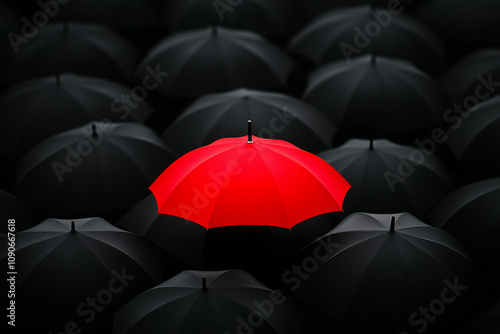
pixel 346 33
pixel 464 22
pixel 479 69
pixel 273 115
pixel 14 215
pixel 235 181
pixel 211 302
pixel 76 47
pixel 474 139
pixel 388 177
pixel 472 214
pixel 38 109
pixel 378 97
pixel 124 16
pixel 270 18
pixel 226 59
pixel 256 249
pixel 99 169
pixel 385 268
pixel 317 7
pixel 81 271
pixel 9 20
pixel 486 323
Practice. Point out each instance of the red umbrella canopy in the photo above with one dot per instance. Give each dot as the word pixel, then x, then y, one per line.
pixel 235 181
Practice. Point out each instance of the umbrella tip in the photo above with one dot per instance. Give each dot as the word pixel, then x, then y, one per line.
pixel 73 230
pixel 393 224
pixel 94 130
pixel 250 139
pixel 371 143
pixel 203 283
pixel 214 30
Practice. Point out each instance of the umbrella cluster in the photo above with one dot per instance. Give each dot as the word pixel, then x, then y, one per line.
pixel 250 166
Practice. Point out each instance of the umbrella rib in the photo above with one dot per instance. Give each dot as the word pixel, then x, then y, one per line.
pixel 301 166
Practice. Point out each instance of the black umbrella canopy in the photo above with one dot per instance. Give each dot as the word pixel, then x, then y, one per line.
pixel 273 115
pixel 472 214
pixel 474 78
pixel 464 22
pixel 474 139
pixel 271 18
pixel 211 302
pixel 378 97
pixel 387 177
pixel 381 270
pixel 15 216
pixel 123 16
pixel 99 169
pixel 216 59
pixel 486 323
pixel 37 109
pixel 80 271
pixel 71 47
pixel 10 20
pixel 346 33
pixel 260 250
pixel 316 7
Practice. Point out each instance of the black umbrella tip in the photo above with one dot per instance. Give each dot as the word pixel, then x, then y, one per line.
pixel 393 224
pixel 73 230
pixel 203 283
pixel 371 143
pixel 250 139
pixel 94 130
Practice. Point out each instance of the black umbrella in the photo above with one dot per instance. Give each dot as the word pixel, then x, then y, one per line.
pixel 383 271
pixel 345 33
pixel 210 302
pixel 124 16
pixel 378 97
pixel 271 18
pixel 463 22
pixel 10 21
pixel 273 115
pixel 79 48
pixel 258 249
pixel 14 215
pixel 97 170
pixel 216 59
pixel 474 78
pixel 79 271
pixel 316 7
pixel 472 214
pixel 487 322
pixel 38 109
pixel 387 177
pixel 474 139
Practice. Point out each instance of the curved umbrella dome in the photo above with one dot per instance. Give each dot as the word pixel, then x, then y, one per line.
pixel 37 109
pixel 346 33
pixel 273 115
pixel 216 59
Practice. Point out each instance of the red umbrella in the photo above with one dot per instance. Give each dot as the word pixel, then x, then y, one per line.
pixel 235 181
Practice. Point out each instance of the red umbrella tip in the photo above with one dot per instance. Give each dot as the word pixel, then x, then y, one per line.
pixel 393 223
pixel 250 140
pixel 203 283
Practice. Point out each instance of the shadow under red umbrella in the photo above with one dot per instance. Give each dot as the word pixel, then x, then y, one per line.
pixel 249 181
pixel 262 251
